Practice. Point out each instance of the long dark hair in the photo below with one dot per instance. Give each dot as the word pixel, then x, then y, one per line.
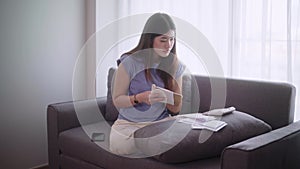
pixel 158 24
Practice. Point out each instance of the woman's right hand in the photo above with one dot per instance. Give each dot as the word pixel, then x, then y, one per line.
pixel 144 97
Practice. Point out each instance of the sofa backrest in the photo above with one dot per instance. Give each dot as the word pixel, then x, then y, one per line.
pixel 272 102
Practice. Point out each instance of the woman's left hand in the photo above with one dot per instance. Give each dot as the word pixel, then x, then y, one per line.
pixel 157 95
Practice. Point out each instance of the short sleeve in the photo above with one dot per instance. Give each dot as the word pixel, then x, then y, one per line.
pixel 128 64
pixel 122 58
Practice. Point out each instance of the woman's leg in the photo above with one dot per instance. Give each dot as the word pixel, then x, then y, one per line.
pixel 122 139
pixel 122 136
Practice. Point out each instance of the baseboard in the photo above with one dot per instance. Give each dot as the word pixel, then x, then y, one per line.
pixel 43 166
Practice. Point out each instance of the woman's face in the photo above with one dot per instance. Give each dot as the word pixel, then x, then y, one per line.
pixel 163 44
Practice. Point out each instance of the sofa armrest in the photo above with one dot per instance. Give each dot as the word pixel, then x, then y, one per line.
pixel 278 149
pixel 64 116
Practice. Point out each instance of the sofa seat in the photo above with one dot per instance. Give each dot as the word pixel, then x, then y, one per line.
pixel 76 144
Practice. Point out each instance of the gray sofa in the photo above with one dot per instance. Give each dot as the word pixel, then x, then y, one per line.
pixel 69 131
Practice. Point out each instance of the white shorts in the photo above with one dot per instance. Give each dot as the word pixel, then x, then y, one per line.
pixel 122 136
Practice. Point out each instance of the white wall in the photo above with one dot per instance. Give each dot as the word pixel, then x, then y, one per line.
pixel 39 44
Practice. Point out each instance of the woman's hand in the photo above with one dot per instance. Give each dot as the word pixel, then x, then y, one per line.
pixel 143 97
pixel 151 97
pixel 157 95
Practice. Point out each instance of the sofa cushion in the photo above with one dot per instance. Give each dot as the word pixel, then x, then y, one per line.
pixel 76 144
pixel 167 142
pixel 187 93
pixel 111 111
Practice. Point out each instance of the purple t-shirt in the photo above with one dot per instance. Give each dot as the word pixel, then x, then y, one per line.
pixel 142 112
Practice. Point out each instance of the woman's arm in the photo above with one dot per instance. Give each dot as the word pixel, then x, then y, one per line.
pixel 120 90
pixel 178 104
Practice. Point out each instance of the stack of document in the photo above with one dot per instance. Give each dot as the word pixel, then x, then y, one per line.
pixel 194 118
pixel 213 125
pixel 199 121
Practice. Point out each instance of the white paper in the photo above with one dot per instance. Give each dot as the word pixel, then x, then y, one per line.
pixel 194 118
pixel 213 125
pixel 200 121
pixel 169 94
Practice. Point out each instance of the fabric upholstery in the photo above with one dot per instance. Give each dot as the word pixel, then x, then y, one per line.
pixel 186 94
pixel 240 126
pixel 111 111
pixel 75 144
pixel 69 146
pixel 273 102
pixel 276 149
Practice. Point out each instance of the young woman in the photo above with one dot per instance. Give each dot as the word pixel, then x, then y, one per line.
pixel 152 61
